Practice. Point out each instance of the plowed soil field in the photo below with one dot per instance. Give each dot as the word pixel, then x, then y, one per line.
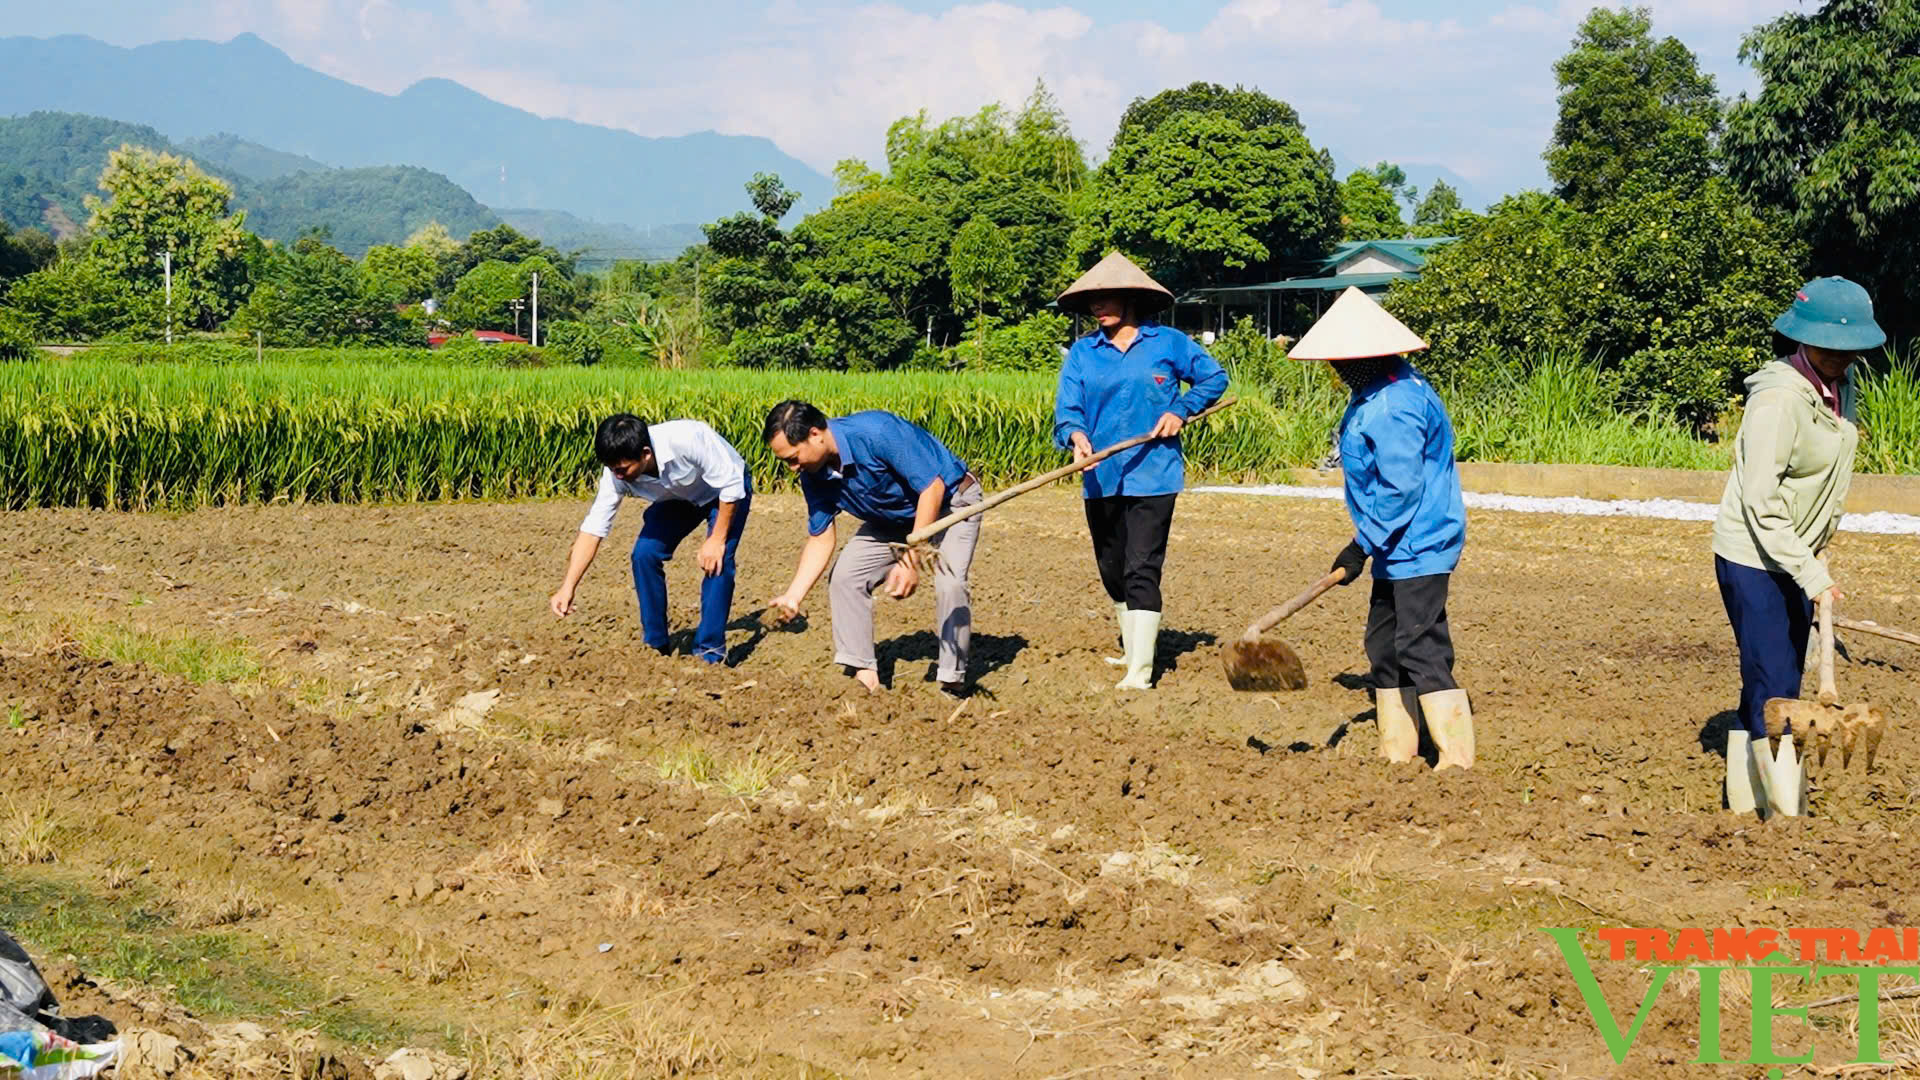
pixel 1051 879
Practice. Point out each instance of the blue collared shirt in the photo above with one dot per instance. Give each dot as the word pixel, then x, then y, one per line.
pixel 1403 491
pixel 1112 396
pixel 885 463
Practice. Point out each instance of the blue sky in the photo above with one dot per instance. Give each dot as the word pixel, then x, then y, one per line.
pixel 1467 85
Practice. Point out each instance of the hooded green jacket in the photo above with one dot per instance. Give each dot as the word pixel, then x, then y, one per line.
pixel 1792 463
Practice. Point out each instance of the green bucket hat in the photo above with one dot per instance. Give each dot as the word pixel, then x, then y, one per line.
pixel 1832 313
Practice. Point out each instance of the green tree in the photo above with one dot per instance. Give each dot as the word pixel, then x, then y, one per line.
pixel 1394 179
pixel 1207 201
pixel 480 300
pixel 1033 344
pixel 1627 103
pixel 315 295
pixel 1441 203
pixel 434 239
pixel 80 298
pixel 404 275
pixel 24 251
pixel 158 203
pixel 756 234
pixel 1831 140
pixel 886 243
pixel 851 177
pixel 1441 213
pixel 1368 209
pixel 981 270
pixel 1251 109
pixel 1034 144
pixel 502 243
pixel 751 284
pixel 1672 292
pixel 575 342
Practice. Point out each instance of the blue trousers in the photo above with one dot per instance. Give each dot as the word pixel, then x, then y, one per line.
pixel 1771 619
pixel 666 524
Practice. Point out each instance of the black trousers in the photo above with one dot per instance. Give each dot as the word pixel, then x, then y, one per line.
pixel 1130 545
pixel 1408 642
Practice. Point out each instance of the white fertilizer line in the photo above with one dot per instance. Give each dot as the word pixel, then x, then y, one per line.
pixel 1663 509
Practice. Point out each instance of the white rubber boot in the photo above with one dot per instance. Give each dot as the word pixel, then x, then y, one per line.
pixel 1786 780
pixel 1399 734
pixel 1142 634
pixel 1759 772
pixel 1450 722
pixel 1740 772
pixel 1120 620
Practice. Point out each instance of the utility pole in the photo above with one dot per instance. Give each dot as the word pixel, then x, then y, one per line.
pixel 699 332
pixel 166 263
pixel 536 308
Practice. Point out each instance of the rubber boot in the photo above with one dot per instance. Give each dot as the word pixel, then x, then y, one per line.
pixel 1120 620
pixel 1399 734
pixel 1759 768
pixel 1786 780
pixel 1142 635
pixel 1740 772
pixel 1450 722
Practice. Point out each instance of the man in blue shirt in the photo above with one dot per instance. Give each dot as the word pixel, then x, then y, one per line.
pixel 896 478
pixel 1118 382
pixel 1403 494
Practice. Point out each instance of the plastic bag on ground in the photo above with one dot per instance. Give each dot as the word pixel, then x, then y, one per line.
pixel 30 1050
pixel 21 985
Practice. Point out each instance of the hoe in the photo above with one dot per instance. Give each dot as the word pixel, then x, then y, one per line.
pixel 1820 724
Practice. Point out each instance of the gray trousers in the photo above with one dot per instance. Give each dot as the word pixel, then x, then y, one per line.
pixel 863 567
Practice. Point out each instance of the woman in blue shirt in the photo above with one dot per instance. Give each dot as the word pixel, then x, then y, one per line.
pixel 1120 381
pixel 1403 494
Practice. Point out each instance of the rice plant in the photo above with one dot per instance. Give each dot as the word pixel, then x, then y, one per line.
pixel 154 436
pixel 106 434
pixel 1560 409
pixel 1890 418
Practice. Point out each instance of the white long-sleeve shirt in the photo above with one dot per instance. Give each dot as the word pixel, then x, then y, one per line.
pixel 696 465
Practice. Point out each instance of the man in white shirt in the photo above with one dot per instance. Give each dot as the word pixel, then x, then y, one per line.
pixel 690 474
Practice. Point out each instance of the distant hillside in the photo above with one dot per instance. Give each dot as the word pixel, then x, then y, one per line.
pixel 360 207
pixel 231 155
pixel 502 155
pixel 50 162
pixel 601 243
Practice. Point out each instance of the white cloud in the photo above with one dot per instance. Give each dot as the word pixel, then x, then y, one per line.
pixel 1474 93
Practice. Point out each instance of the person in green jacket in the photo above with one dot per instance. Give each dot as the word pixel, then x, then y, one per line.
pixel 1792 463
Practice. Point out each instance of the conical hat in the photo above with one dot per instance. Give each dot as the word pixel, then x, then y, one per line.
pixel 1354 328
pixel 1117 274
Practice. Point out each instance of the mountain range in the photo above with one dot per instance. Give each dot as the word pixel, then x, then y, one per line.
pixel 304 149
pixel 50 163
pixel 504 156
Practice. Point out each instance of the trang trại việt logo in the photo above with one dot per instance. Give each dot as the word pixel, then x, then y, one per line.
pixel 1765 955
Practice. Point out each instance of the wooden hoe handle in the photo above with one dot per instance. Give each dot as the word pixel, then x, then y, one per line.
pixel 1876 628
pixel 1272 618
pixel 1828 695
pixel 920 536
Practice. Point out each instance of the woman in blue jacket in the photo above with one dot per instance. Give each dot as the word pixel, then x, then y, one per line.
pixel 1403 493
pixel 1120 381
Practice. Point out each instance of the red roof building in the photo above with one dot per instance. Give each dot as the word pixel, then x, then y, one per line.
pixel 485 337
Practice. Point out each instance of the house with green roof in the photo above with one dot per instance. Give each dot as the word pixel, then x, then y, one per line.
pixel 1372 266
